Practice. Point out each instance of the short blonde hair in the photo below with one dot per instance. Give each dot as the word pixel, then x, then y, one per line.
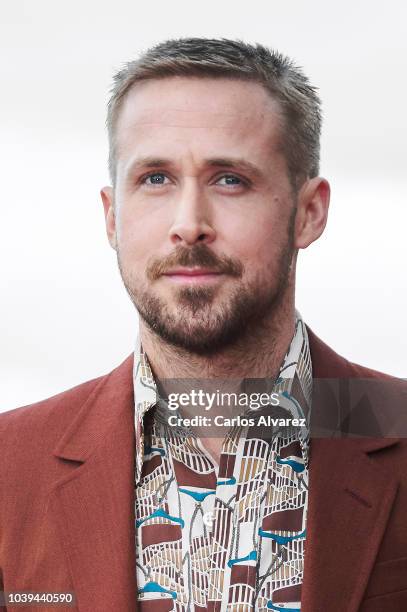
pixel 225 58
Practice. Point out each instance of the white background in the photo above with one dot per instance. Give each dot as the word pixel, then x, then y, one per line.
pixel 65 315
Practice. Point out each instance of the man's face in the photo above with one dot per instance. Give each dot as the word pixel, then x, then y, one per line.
pixel 203 208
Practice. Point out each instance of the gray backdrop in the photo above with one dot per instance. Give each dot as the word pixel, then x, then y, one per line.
pixel 65 316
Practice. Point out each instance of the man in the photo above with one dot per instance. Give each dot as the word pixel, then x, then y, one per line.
pixel 214 152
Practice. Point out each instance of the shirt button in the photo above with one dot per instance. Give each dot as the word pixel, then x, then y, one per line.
pixel 208 518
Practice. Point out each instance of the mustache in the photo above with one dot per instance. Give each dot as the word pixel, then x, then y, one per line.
pixel 197 255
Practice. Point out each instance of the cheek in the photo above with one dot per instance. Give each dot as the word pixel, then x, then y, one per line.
pixel 139 235
pixel 260 248
pixel 255 238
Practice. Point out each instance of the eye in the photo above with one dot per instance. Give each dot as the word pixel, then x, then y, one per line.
pixel 230 180
pixel 154 179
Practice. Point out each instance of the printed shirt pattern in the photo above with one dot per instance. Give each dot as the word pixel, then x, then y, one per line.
pixel 251 555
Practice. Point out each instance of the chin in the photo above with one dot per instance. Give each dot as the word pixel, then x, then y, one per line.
pixel 197 339
pixel 199 320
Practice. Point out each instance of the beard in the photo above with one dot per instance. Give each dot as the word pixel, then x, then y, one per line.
pixel 197 323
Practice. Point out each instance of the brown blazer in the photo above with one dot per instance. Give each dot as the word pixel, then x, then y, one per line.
pixel 67 502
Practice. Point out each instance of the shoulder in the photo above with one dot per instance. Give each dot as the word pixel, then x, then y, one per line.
pixel 51 415
pixel 327 363
pixel 30 435
pixel 43 421
pixel 353 399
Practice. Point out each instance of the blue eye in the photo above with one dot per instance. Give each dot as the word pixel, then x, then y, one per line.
pixel 155 179
pixel 230 180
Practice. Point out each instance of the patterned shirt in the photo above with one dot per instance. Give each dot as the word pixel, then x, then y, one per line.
pixel 250 554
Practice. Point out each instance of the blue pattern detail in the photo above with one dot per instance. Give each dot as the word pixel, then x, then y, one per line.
pixel 295 402
pixel 154 587
pixel 271 606
pixel 295 465
pixel 281 539
pixel 161 513
pixel 250 557
pixel 230 481
pixel 196 495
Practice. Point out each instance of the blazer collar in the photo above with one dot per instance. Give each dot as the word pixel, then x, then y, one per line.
pixel 93 502
pixel 110 402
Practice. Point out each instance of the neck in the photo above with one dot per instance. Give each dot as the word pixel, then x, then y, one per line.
pixel 255 354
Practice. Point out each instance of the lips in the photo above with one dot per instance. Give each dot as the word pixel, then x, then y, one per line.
pixel 192 275
pixel 191 272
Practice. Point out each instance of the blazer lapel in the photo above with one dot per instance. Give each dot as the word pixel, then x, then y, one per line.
pixel 94 502
pixel 350 498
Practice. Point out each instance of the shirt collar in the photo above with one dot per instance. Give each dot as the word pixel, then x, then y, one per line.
pixel 145 396
pixel 294 381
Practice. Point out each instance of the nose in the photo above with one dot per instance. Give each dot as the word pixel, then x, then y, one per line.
pixel 192 217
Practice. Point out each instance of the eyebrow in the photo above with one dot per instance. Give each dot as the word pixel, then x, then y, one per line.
pixel 213 162
pixel 235 162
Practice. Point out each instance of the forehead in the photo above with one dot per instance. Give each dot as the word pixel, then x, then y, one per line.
pixel 190 111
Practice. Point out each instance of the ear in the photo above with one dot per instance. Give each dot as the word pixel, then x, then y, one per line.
pixel 107 194
pixel 312 211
